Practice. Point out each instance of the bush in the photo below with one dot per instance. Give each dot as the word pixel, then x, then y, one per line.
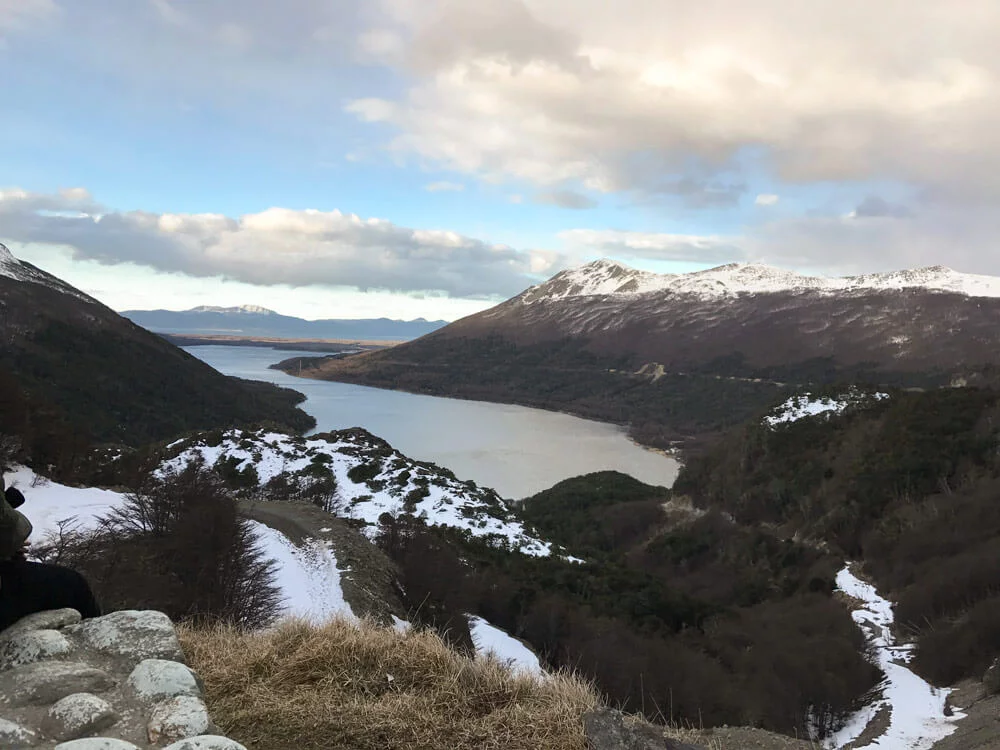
pixel 178 545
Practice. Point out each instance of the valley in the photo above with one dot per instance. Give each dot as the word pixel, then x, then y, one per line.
pixel 716 593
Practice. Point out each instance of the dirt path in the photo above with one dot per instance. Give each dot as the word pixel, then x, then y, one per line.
pixel 368 577
pixel 980 729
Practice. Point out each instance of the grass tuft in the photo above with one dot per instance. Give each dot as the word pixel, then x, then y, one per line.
pixel 342 685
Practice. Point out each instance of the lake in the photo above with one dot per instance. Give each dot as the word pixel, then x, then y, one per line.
pixel 516 450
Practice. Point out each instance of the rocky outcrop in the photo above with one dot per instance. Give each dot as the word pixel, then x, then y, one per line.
pixel 117 682
pixel 608 729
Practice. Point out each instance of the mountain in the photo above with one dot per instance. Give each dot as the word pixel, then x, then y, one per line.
pixel 681 356
pixel 252 320
pixel 67 360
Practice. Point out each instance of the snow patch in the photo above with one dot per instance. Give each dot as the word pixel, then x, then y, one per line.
pixel 397 485
pixel 918 718
pixel 306 574
pixel 490 639
pixel 807 405
pixel 12 268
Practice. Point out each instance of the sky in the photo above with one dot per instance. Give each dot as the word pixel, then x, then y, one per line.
pixel 430 158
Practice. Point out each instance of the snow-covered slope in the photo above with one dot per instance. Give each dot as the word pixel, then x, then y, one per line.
pixel 12 268
pixel 607 277
pixel 307 575
pixel 239 310
pixel 918 712
pixel 361 476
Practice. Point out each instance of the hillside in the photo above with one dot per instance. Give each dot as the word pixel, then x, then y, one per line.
pixel 253 321
pixel 677 357
pixel 70 365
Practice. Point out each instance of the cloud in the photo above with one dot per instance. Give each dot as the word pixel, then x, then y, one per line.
pixel 874 206
pixel 444 187
pixel 275 246
pixel 767 199
pixel 655 246
pixel 565 199
pixel 823 244
pixel 16 14
pixel 619 97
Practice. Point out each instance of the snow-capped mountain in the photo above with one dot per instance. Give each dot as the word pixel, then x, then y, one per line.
pixel 254 321
pixel 716 346
pixel 610 278
pixel 238 310
pixel 18 270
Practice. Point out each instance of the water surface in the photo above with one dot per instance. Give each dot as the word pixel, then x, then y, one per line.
pixel 514 449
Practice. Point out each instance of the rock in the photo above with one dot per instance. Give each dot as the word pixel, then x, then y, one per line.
pixel 205 742
pixel 96 743
pixel 14 736
pixel 991 680
pixel 133 634
pixel 30 646
pixel 47 682
pixel 178 718
pixel 606 729
pixel 155 679
pixel 77 715
pixel 53 619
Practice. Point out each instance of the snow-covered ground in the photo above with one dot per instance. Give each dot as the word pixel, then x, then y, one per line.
pixel 307 575
pixel 48 503
pixel 492 640
pixel 396 482
pixel 807 405
pixel 918 717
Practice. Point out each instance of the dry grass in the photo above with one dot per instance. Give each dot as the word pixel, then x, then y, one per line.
pixel 343 686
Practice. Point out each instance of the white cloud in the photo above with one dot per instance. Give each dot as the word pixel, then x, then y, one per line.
pixel 767 199
pixel 630 95
pixel 444 187
pixel 278 246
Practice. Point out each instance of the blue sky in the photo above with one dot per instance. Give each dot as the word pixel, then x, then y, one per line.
pixel 429 158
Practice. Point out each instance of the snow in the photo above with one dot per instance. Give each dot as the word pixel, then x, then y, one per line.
pixel 47 503
pixel 806 405
pixel 14 269
pixel 307 576
pixel 489 639
pixel 918 717
pixel 607 277
pixel 448 501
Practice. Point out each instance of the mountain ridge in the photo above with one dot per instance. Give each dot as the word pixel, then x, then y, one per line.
pixel 257 321
pixel 606 277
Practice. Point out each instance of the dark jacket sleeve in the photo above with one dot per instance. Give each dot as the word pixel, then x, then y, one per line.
pixel 14 529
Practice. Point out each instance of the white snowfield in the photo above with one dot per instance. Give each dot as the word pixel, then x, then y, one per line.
pixel 307 576
pixel 490 639
pixel 607 277
pixel 806 405
pixel 918 717
pixel 447 502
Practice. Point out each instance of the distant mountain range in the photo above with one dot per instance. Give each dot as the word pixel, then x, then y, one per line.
pixel 72 366
pixel 676 355
pixel 255 321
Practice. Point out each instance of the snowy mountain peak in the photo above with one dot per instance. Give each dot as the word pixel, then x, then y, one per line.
pixel 12 268
pixel 239 310
pixel 611 278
